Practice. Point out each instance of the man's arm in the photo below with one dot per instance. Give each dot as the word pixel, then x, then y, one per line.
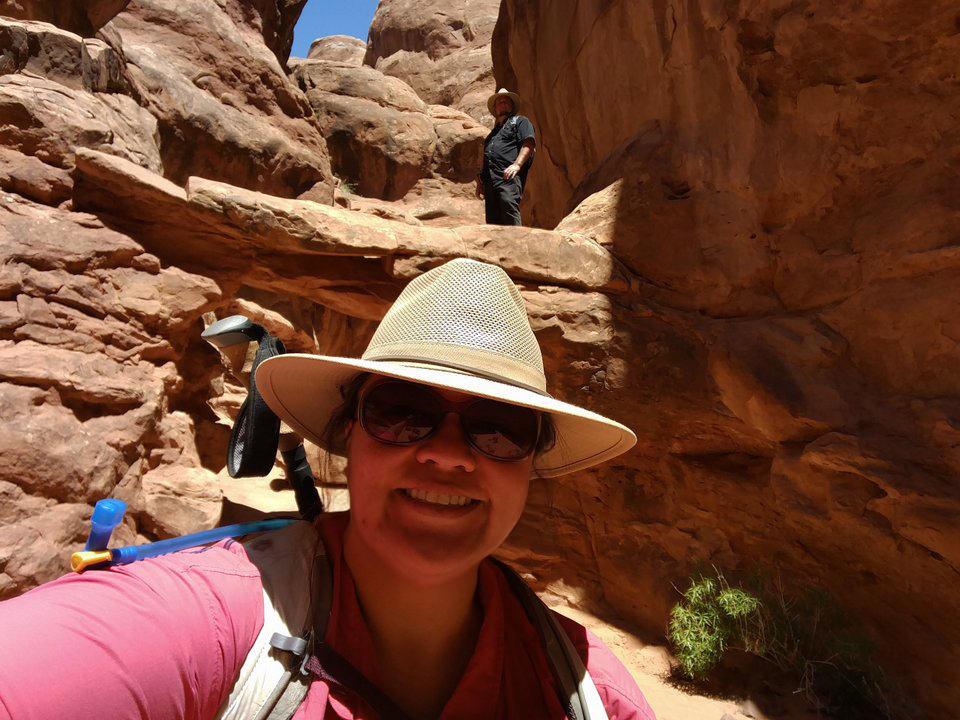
pixel 528 148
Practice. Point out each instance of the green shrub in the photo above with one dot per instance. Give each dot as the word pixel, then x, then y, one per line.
pixel 807 634
pixel 711 619
pixel 347 187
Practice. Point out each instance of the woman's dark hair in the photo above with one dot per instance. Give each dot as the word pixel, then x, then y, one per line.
pixel 335 433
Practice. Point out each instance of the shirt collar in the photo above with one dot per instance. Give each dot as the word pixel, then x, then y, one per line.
pixel 477 694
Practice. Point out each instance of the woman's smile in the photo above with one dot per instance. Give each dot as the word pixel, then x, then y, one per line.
pixel 439 500
pixel 430 505
pixel 434 508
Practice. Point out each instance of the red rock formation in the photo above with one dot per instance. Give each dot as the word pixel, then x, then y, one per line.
pixel 272 21
pixel 58 95
pixel 83 17
pixel 387 144
pixel 780 181
pixel 440 48
pixel 91 332
pixel 224 106
pixel 338 48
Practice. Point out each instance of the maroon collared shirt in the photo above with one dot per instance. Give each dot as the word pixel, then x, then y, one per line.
pixel 507 678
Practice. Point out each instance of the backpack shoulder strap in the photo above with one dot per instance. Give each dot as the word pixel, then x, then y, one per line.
pixel 297 591
pixel 297 594
pixel 576 687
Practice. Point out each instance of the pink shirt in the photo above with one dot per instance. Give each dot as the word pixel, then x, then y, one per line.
pixel 164 638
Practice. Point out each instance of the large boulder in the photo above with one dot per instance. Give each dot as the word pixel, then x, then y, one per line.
pixel 60 92
pixel 338 48
pixel 269 21
pixel 83 17
pixel 48 121
pixel 440 48
pixel 45 50
pixel 382 137
pixel 224 106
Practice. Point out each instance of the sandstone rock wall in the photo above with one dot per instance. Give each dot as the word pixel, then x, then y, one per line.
pixel 84 17
pixel 441 48
pixel 104 383
pixel 780 180
pixel 382 137
pixel 224 105
pixel 92 338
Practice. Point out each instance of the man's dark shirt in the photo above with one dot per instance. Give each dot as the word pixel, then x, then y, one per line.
pixel 502 146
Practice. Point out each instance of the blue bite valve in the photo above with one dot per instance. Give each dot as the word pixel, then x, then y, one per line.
pixel 107 514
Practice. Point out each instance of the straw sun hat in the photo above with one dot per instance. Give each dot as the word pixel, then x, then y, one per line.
pixel 503 92
pixel 460 326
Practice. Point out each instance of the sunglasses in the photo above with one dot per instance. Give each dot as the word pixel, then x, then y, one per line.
pixel 395 412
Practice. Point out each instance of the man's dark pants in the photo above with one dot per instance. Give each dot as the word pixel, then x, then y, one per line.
pixel 502 200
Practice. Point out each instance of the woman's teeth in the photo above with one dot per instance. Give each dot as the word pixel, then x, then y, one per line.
pixel 437 498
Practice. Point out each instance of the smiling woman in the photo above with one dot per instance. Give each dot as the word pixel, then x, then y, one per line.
pixel 397 520
pixel 321 18
pixel 443 421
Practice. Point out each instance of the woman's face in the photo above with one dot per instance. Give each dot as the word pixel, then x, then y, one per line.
pixel 431 511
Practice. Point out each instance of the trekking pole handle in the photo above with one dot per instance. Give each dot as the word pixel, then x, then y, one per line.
pixel 233 330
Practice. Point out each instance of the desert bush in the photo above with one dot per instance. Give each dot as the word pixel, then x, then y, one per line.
pixel 805 633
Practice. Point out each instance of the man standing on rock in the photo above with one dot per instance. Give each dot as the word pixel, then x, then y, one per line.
pixel 507 155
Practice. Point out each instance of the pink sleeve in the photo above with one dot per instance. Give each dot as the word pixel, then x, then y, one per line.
pixel 621 697
pixel 160 638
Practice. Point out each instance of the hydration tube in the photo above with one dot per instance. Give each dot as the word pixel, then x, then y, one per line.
pixel 80 561
pixel 107 514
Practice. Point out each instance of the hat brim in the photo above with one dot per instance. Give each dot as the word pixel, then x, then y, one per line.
pixel 512 95
pixel 303 390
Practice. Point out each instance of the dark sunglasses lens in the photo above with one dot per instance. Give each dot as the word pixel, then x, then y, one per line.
pixel 400 413
pixel 507 432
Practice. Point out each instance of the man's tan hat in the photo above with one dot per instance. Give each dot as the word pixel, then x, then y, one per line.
pixel 503 92
pixel 460 326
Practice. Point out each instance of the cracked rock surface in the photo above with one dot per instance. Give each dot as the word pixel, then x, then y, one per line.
pixel 780 179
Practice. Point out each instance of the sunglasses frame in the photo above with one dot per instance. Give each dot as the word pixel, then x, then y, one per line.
pixel 448 407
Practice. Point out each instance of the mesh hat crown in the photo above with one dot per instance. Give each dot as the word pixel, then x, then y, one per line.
pixel 460 326
pixel 467 316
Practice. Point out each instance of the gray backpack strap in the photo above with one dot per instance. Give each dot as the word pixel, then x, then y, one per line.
pixel 590 701
pixel 285 698
pixel 297 592
pixel 574 683
pixel 292 687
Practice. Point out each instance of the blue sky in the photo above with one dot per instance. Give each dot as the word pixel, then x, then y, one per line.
pixel 332 17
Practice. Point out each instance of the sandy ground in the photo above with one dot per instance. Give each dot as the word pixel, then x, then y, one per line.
pixel 651 667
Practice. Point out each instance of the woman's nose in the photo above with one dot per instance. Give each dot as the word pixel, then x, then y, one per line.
pixel 447 447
